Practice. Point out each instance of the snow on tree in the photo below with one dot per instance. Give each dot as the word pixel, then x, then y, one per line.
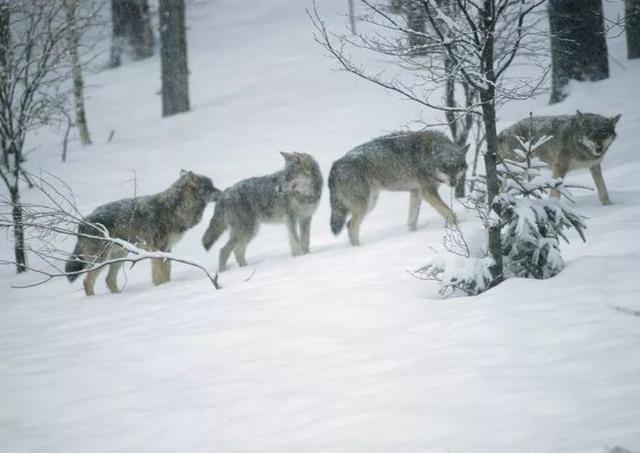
pixel 531 225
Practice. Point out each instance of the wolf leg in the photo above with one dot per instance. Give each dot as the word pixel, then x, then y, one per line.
pixel 225 252
pixel 90 281
pixel 240 251
pixel 431 196
pixel 166 270
pixel 159 273
pixel 353 226
pixel 294 238
pixel 305 233
pixel 414 210
pixel 559 169
pixel 112 277
pixel 596 172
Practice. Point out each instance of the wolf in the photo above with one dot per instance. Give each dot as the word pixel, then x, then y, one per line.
pixel 289 196
pixel 153 222
pixel 578 141
pixel 416 162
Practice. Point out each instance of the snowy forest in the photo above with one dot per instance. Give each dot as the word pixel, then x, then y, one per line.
pixel 319 225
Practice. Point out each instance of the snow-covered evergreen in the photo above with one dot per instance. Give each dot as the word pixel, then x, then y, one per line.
pixel 531 221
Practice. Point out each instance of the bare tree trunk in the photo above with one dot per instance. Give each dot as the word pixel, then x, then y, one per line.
pixel 490 163
pixel 173 57
pixel 18 228
pixel 632 26
pixel 5 43
pixel 416 21
pixel 78 84
pixel 131 24
pixel 578 44
pixel 352 17
pixel 488 98
pixel 141 34
pixel 118 25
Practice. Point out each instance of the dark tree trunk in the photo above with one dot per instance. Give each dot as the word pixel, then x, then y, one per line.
pixel 5 36
pixel 5 43
pixel 488 99
pixel 18 228
pixel 490 163
pixel 118 36
pixel 416 21
pixel 131 26
pixel 578 44
pixel 173 53
pixel 632 27
pixel 140 33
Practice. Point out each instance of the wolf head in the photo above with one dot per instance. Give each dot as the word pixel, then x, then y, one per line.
pixel 201 186
pixel 451 163
pixel 595 132
pixel 301 175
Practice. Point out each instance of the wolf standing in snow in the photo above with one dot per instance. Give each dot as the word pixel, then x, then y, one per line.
pixel 416 162
pixel 153 222
pixel 288 196
pixel 578 141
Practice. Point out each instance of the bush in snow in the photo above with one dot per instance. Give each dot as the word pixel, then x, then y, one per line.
pixel 531 226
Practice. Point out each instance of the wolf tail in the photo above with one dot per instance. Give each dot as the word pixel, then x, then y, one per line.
pixel 338 210
pixel 75 263
pixel 217 226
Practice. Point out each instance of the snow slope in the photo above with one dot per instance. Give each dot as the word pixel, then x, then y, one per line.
pixel 337 351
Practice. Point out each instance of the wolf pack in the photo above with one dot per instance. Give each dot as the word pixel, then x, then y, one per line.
pixel 414 162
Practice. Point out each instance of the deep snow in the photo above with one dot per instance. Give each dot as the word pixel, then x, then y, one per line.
pixel 340 350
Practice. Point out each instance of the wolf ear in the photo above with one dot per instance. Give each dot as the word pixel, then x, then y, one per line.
pixel 616 118
pixel 183 172
pixel 290 157
pixel 287 156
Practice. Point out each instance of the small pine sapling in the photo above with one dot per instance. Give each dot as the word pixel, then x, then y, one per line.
pixel 531 225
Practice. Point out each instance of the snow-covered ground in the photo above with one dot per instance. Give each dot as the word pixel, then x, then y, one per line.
pixel 337 351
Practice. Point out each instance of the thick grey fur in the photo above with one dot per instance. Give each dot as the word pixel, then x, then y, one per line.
pixel 289 196
pixel 415 162
pixel 152 222
pixel 578 141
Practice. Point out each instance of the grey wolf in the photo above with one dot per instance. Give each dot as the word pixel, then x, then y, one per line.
pixel 289 196
pixel 153 222
pixel 416 162
pixel 578 141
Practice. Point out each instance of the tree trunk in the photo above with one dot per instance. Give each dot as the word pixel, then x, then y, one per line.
pixel 5 45
pixel 578 44
pixel 141 34
pixel 18 228
pixel 416 21
pixel 131 25
pixel 488 99
pixel 78 84
pixel 5 35
pixel 352 17
pixel 632 26
pixel 173 57
pixel 118 27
